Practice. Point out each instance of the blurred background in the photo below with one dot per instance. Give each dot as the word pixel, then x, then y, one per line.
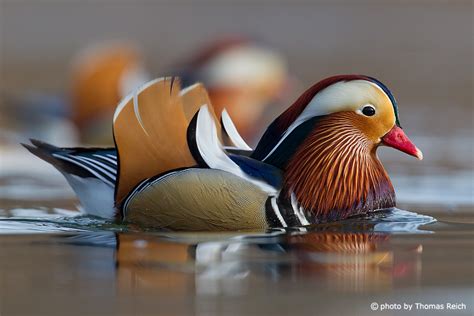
pixel 65 65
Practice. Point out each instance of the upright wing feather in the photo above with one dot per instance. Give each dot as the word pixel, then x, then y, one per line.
pixel 193 97
pixel 150 134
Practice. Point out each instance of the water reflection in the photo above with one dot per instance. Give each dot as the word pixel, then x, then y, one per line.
pixel 205 274
pixel 330 260
pixel 354 255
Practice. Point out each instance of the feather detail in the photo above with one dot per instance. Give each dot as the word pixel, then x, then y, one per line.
pixel 290 115
pixel 90 173
pixel 193 97
pixel 196 199
pixel 335 173
pixel 208 151
pixel 279 127
pixel 231 132
pixel 308 106
pixel 150 134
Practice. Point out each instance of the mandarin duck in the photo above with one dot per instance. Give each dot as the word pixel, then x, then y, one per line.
pixel 176 166
pixel 101 75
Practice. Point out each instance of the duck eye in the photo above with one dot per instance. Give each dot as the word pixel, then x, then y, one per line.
pixel 368 110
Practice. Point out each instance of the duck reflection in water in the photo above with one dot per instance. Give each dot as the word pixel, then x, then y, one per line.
pixel 331 260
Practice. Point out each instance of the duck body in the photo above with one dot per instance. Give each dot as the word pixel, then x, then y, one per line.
pixel 199 194
pixel 176 166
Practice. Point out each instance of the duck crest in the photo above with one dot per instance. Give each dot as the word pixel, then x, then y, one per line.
pixel 280 141
pixel 335 173
pixel 290 129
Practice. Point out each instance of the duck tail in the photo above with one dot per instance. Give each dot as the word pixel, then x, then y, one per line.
pixel 97 163
pixel 46 151
pixel 90 172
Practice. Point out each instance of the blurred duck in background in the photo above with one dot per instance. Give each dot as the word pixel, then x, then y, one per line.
pixel 101 76
pixel 246 77
pixel 242 75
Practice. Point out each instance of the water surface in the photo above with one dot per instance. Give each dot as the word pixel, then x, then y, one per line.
pixel 68 263
pixel 65 263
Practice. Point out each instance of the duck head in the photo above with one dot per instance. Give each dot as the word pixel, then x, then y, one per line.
pixel 326 144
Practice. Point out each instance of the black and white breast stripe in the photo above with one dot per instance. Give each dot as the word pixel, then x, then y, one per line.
pixel 299 211
pixel 100 165
pixel 285 213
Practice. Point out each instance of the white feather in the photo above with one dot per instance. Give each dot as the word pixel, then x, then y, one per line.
pixel 212 152
pixel 96 197
pixel 232 132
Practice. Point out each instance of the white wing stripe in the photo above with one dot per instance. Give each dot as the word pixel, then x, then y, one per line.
pixel 112 161
pixel 100 166
pixel 78 163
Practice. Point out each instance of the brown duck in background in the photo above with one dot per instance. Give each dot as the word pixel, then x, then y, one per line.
pixel 241 75
pixel 100 77
pixel 315 163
